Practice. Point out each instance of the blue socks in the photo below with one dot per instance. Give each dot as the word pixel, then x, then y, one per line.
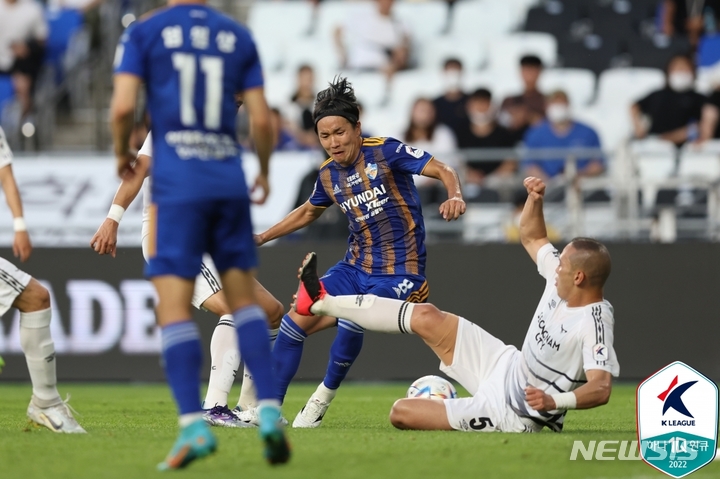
pixel 252 331
pixel 182 358
pixel 343 353
pixel 287 354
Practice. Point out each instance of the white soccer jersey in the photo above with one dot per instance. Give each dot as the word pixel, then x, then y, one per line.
pixel 6 155
pixel 146 149
pixel 561 344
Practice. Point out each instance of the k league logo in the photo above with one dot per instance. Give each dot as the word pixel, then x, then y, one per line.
pixel 677 417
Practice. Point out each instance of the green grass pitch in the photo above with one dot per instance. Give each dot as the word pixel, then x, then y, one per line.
pixel 131 428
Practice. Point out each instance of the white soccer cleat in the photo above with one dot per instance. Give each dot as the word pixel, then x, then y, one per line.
pixel 250 417
pixel 311 415
pixel 57 418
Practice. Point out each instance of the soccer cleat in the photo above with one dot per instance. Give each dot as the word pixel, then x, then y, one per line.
pixel 311 415
pixel 222 416
pixel 249 417
pixel 277 448
pixel 195 441
pixel 57 418
pixel 311 289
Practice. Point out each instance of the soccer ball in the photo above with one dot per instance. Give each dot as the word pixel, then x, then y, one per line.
pixel 432 387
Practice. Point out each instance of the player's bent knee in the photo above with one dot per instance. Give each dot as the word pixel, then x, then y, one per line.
pixel 400 414
pixel 35 297
pixel 275 314
pixel 427 320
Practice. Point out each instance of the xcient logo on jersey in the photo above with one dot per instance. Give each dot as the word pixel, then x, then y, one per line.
pixel 371 199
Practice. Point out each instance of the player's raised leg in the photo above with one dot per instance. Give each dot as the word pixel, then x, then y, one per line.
pixel 46 408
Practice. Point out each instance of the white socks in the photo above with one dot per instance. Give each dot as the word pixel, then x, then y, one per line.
pixel 369 311
pixel 324 394
pixel 225 360
pixel 248 395
pixel 39 349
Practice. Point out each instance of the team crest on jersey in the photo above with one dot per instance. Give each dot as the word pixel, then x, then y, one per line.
pixel 371 170
pixel 416 152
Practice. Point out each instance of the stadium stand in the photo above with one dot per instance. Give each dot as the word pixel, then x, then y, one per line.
pixel 606 54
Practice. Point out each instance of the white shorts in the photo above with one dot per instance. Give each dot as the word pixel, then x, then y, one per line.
pixel 207 282
pixel 481 364
pixel 12 283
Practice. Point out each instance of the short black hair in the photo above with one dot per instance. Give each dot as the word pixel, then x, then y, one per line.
pixel 338 99
pixel 531 61
pixel 593 259
pixel 452 62
pixel 680 56
pixel 481 94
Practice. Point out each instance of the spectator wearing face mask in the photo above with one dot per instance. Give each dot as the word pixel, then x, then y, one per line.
pixel 676 113
pixel 560 131
pixel 482 131
pixel 483 173
pixel 450 106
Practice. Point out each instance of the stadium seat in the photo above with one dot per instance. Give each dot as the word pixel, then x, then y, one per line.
pixel 481 20
pixel 321 55
pixel 599 220
pixel 656 53
pixel 501 84
pixel 611 124
pixel 380 121
pixel 485 222
pixel 279 87
pixel 407 86
pixel 425 19
pixel 612 19
pixel 433 51
pixel 553 17
pixel 279 20
pixel 655 161
pixel 276 26
pixel 579 84
pixel 331 14
pixel 700 162
pixel 370 88
pixel 506 51
pixel 593 52
pixel 620 87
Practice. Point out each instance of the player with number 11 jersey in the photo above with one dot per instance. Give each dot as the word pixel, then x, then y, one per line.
pixel 194 61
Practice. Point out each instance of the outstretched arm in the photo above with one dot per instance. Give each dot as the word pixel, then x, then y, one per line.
pixel 454 206
pixel 21 243
pixel 105 239
pixel 594 393
pixel 298 218
pixel 533 234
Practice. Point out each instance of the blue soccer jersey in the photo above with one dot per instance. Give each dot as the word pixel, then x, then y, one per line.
pixel 193 61
pixel 378 195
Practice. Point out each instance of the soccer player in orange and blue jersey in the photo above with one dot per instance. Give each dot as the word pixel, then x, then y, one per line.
pixel 371 180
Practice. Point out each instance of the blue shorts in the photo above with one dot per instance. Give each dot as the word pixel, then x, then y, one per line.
pixel 180 234
pixel 345 279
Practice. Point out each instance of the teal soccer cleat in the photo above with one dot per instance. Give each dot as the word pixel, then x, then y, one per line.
pixel 277 448
pixel 195 441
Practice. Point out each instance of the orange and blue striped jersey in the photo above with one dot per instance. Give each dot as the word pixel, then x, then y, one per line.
pixel 378 195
